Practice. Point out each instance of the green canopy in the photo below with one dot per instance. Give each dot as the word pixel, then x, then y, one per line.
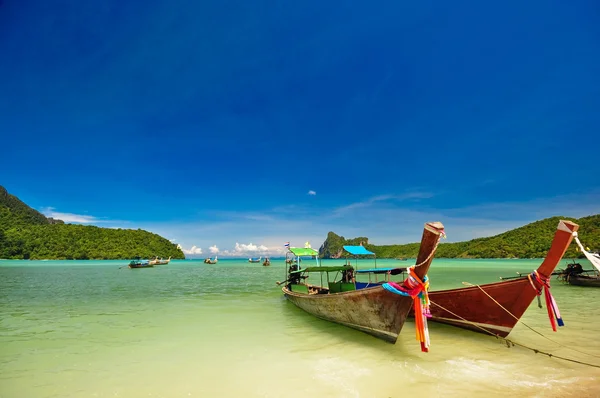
pixel 304 251
pixel 324 269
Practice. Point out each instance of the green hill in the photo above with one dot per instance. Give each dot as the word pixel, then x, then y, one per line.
pixel 530 241
pixel 27 234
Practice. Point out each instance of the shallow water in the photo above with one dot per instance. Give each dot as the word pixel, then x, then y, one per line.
pixel 90 329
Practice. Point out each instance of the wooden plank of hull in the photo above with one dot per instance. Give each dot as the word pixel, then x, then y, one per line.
pixel 582 280
pixel 373 310
pixel 470 308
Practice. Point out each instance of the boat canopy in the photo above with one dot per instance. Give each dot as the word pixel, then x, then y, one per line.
pixel 304 251
pixel 357 250
pixel 324 269
pixel 393 271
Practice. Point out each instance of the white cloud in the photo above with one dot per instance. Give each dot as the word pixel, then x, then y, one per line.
pixel 312 193
pixel 250 249
pixel 70 217
pixel 192 251
pixel 213 249
pixel 377 200
pixel 242 248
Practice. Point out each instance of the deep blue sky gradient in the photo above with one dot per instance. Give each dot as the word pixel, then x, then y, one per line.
pixel 175 114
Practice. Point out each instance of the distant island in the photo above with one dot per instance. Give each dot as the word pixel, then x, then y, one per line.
pixel 26 233
pixel 530 241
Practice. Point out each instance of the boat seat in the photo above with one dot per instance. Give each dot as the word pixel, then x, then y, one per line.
pixel 299 288
pixel 337 287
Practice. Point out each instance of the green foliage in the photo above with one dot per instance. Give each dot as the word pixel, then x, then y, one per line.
pixel 530 241
pixel 27 234
pixel 13 212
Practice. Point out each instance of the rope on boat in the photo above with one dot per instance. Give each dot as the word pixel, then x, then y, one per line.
pixel 526 325
pixel 440 236
pixel 510 342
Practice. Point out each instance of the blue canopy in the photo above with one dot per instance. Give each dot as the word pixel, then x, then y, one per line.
pixel 356 250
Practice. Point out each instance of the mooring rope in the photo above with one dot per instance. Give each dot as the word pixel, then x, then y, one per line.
pixel 529 327
pixel 508 341
pixel 440 236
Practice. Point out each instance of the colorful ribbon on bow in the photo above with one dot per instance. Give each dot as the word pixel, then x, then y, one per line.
pixel 543 282
pixel 417 289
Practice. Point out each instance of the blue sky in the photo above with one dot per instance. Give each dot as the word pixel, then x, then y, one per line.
pixel 210 122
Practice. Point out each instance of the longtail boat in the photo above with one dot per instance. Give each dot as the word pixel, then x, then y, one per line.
pixel 379 310
pixel 574 274
pixel 496 308
pixel 159 261
pixel 139 263
pixel 254 260
pixel 211 261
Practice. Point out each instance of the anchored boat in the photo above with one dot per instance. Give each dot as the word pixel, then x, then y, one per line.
pixel 495 308
pixel 379 310
pixel 211 261
pixel 139 263
pixel 159 261
pixel 574 274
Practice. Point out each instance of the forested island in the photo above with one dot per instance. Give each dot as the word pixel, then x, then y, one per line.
pixel 530 241
pixel 26 233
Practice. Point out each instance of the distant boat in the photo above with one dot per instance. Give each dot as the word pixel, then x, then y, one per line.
pixel 157 261
pixel 139 263
pixel 254 260
pixel 209 261
pixel 574 274
pixel 267 262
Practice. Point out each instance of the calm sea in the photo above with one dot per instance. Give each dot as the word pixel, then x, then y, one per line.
pixel 188 329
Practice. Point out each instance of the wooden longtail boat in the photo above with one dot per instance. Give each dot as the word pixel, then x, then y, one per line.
pixel 211 261
pixel 159 261
pixel 574 274
pixel 137 263
pixel 254 260
pixel 267 262
pixel 584 280
pixel 373 310
pixel 497 307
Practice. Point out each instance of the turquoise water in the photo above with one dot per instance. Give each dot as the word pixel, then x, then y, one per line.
pixel 188 329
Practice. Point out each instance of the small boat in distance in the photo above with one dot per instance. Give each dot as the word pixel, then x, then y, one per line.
pixel 210 261
pixel 159 261
pixel 378 310
pixel 139 263
pixel 574 274
pixel 267 262
pixel 255 260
